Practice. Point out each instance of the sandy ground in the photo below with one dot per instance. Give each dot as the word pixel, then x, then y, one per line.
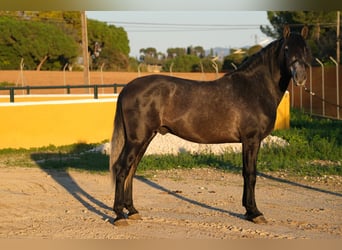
pixel 174 204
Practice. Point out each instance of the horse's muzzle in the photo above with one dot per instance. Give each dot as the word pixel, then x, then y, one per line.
pixel 298 74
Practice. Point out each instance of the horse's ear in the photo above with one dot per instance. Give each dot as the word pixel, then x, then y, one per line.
pixel 286 31
pixel 305 32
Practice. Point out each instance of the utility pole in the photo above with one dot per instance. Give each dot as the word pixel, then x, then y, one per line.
pixel 85 48
pixel 338 38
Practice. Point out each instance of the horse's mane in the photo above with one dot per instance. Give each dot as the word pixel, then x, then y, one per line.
pixel 264 55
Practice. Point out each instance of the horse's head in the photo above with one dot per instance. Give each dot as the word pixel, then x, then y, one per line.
pixel 296 53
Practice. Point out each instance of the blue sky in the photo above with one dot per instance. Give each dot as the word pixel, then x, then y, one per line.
pixel 168 29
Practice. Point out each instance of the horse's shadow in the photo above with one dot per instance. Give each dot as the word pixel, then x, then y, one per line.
pixel 61 175
pixel 186 199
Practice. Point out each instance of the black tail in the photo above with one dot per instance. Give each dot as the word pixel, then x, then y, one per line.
pixel 118 139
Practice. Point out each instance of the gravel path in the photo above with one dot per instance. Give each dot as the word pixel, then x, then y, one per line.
pixel 175 204
pixel 171 144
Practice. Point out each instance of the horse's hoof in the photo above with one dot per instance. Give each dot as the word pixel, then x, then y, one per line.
pixel 259 220
pixel 120 222
pixel 135 216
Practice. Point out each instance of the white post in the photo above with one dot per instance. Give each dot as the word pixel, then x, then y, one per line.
pixel 102 76
pixel 171 66
pixel 214 65
pixel 337 88
pixel 323 96
pixel 310 89
pixel 139 69
pixel 64 76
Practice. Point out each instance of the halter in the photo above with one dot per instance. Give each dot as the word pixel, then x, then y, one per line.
pixel 300 61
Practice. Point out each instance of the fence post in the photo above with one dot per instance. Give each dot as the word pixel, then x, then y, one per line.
pixel 337 88
pixel 115 88
pixel 310 89
pixel 96 90
pixel 27 90
pixel 292 96
pixel 11 94
pixel 323 96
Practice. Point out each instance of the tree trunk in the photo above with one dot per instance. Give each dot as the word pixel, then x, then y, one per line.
pixel 42 62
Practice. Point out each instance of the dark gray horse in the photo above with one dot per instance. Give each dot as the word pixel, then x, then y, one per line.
pixel 239 107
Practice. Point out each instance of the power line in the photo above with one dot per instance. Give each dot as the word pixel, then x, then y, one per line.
pixel 182 24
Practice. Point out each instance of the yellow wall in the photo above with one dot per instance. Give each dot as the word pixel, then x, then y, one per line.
pixel 40 123
pixel 58 124
pixel 283 113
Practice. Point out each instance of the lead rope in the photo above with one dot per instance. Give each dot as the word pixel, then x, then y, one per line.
pixel 306 89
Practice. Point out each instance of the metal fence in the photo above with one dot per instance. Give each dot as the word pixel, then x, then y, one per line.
pixel 11 91
pixel 322 94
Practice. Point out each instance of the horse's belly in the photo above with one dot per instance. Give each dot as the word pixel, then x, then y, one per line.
pixel 208 132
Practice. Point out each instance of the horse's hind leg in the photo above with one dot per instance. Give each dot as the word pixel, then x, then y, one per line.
pixel 128 189
pixel 121 170
pixel 129 160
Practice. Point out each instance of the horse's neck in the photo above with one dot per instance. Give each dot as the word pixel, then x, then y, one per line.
pixel 269 62
pixel 276 65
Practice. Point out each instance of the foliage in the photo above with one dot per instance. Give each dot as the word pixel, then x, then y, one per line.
pixel 52 38
pixel 7 84
pixel 322 29
pixel 174 52
pixel 315 146
pixel 197 51
pixel 236 57
pixel 34 41
pixel 192 59
pixel 113 42
pixel 151 56
pixel 75 156
pixel 183 63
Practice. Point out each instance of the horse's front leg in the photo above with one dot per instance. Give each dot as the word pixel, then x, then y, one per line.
pixel 250 153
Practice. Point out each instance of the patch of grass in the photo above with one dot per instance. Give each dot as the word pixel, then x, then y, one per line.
pixel 75 156
pixel 7 84
pixel 315 147
pixel 186 160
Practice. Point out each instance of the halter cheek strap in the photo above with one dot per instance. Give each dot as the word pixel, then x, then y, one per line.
pixel 300 61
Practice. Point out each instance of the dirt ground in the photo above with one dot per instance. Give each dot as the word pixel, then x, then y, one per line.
pixel 174 204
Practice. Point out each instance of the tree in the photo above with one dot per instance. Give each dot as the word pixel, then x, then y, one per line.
pixel 174 52
pixel 197 51
pixel 42 45
pixel 322 26
pixel 236 57
pixel 114 45
pixel 68 21
pixel 149 55
pixel 183 63
pixel 49 39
